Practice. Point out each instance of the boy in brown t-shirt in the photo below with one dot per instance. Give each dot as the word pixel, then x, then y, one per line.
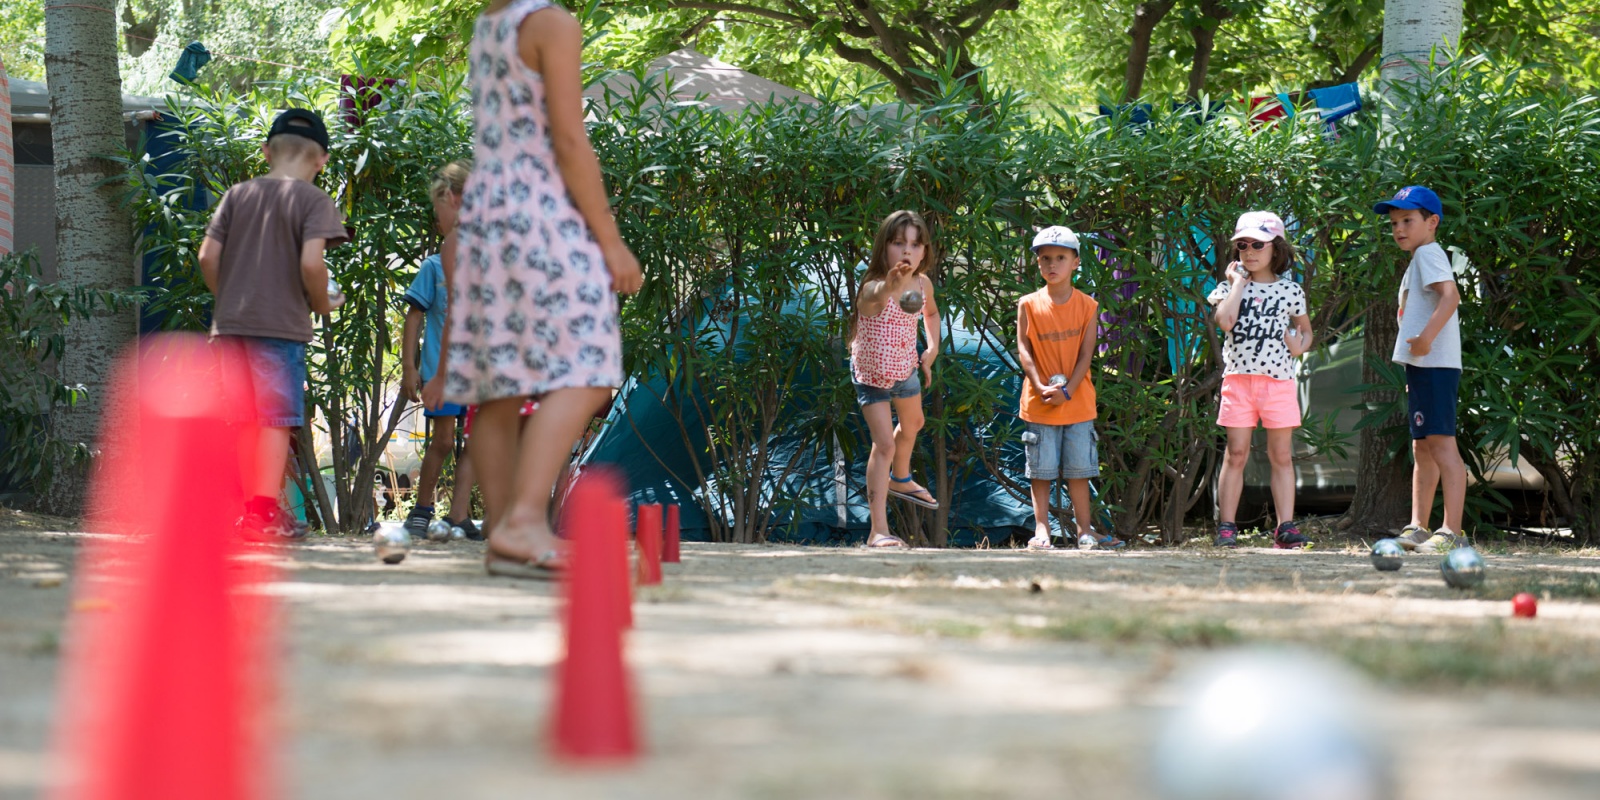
pixel 262 258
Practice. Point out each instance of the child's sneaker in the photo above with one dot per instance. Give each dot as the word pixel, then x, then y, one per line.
pixel 1227 535
pixel 1411 537
pixel 417 521
pixel 1442 541
pixel 278 524
pixel 1288 537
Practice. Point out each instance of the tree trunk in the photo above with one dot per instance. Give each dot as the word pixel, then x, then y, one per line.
pixel 1205 40
pixel 1411 31
pixel 1383 481
pixel 1145 18
pixel 93 236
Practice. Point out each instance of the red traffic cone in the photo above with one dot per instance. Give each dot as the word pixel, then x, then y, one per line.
pixel 594 717
pixel 169 668
pixel 669 549
pixel 648 537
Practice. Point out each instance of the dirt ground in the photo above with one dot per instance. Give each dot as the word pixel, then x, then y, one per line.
pixel 794 672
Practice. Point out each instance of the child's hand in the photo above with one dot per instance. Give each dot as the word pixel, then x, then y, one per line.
pixel 626 276
pixel 900 272
pixel 1237 273
pixel 410 383
pixel 1051 394
pixel 1420 346
pixel 927 367
pixel 433 392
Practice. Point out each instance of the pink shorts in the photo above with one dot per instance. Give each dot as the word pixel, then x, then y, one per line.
pixel 1248 399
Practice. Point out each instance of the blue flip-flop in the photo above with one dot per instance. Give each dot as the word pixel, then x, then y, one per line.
pixel 911 497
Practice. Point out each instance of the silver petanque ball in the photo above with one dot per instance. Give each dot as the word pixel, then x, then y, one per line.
pixel 391 543
pixel 1387 555
pixel 456 534
pixel 438 531
pixel 1058 380
pixel 911 301
pixel 335 293
pixel 1462 568
pixel 1211 746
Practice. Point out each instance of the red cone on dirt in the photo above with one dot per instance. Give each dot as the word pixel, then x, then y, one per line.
pixel 168 670
pixel 647 535
pixel 594 717
pixel 669 548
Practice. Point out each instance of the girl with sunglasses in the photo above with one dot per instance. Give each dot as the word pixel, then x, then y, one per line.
pixel 1263 316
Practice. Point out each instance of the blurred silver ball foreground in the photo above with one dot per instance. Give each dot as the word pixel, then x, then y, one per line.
pixel 1387 555
pixel 438 531
pixel 1270 726
pixel 456 533
pixel 1462 568
pixel 1058 380
pixel 911 301
pixel 391 543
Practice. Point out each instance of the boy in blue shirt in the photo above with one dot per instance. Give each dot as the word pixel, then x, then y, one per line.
pixel 429 297
pixel 1429 345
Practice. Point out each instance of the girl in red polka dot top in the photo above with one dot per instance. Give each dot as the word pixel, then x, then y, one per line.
pixel 884 362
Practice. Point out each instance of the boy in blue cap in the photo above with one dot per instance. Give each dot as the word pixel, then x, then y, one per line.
pixel 1429 345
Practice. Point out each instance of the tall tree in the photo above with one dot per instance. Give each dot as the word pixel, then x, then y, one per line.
pixel 1414 32
pixel 1146 16
pixel 92 229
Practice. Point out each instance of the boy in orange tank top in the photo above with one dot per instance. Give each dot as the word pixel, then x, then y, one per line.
pixel 1056 331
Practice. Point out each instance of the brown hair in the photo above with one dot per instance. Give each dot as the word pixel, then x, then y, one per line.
pixel 878 262
pixel 293 146
pixel 1283 255
pixel 450 179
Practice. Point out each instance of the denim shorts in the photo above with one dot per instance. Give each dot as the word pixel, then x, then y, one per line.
pixel 1431 400
pixel 278 379
pixel 910 387
pixel 1062 451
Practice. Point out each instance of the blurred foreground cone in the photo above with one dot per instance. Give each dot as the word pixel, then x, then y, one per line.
pixel 594 715
pixel 648 536
pixel 669 548
pixel 168 663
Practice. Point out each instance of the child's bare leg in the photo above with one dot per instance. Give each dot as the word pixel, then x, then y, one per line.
pixel 1231 482
pixel 494 453
pixel 1453 475
pixel 440 447
pixel 1280 451
pixel 909 410
pixel 1078 492
pixel 1424 480
pixel 272 456
pixel 1040 491
pixel 880 425
pixel 546 446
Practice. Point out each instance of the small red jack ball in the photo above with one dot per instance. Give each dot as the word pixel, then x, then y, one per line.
pixel 1524 605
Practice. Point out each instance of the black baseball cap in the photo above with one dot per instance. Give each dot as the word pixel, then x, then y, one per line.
pixel 301 122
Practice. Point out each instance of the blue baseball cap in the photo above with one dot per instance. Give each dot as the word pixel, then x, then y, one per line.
pixel 1412 197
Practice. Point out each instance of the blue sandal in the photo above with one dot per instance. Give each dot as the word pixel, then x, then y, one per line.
pixel 921 496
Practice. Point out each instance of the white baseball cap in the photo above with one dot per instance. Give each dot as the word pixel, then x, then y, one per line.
pixel 1262 226
pixel 1055 235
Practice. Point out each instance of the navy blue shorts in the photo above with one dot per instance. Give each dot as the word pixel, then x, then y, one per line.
pixel 1431 400
pixel 278 379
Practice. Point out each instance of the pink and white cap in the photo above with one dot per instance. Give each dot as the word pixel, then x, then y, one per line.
pixel 1262 226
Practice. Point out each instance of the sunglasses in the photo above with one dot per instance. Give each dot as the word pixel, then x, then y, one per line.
pixel 1252 245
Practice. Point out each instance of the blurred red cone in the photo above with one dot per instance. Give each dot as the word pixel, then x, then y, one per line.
pixel 647 534
pixel 669 549
pixel 594 715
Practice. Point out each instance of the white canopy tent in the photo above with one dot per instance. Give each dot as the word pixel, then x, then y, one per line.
pixel 695 75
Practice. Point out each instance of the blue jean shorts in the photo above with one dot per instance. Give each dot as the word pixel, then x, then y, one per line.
pixel 278 379
pixel 1431 400
pixel 910 387
pixel 1062 451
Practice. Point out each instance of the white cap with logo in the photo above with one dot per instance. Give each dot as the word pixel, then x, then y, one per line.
pixel 1056 235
